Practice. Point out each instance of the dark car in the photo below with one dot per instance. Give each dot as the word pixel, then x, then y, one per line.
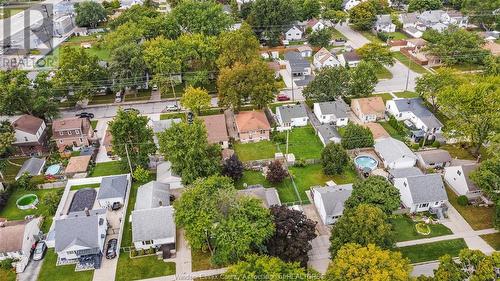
pixel 131 110
pixel 116 206
pixel 282 98
pixel 111 249
pixel 85 115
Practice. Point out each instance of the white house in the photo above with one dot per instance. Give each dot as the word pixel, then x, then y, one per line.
pixel 305 51
pixel 414 111
pixel 334 112
pixel 394 153
pixel 294 34
pixel 329 201
pixel 113 189
pixel 18 238
pixel 291 115
pixel 384 24
pixel 413 32
pixel 315 24
pixel 164 174
pixel 434 158
pixel 422 192
pixel 328 133
pixel 457 177
pixel 324 58
pixel 368 109
pixel 409 19
pixel 153 218
pixel 352 59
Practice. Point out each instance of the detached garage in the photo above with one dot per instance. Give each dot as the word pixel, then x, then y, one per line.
pixel 113 189
pixel 395 154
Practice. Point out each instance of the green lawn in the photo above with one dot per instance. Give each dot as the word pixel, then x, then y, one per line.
pixel 91 185
pixel 50 271
pixel 140 96
pixel 405 229
pixel 492 239
pixel 9 12
pixel 7 275
pixel 383 73
pixel 303 143
pixel 108 169
pixel 385 96
pixel 397 35
pixel 409 63
pixel 463 67
pixel 142 268
pixel 395 134
pixel 255 150
pixel 53 58
pixel 372 37
pixel 456 151
pixel 477 217
pixel 201 261
pixel 336 34
pixel 432 251
pixel 180 115
pixel 103 99
pixel 407 95
pixel 11 170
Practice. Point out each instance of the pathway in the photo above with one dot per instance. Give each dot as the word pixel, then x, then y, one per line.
pixel 101 127
pixel 183 264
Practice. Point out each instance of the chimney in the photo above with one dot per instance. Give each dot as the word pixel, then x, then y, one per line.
pixel 87 212
pixel 160 203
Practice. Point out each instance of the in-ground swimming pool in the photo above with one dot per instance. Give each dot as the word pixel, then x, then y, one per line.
pixel 53 170
pixel 27 201
pixel 366 163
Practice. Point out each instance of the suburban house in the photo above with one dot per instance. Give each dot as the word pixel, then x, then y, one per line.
pixel 160 126
pixel 73 132
pixel 291 115
pixel 435 158
pixel 33 166
pixel 77 165
pixel 79 238
pixel 368 109
pixel 351 59
pixel 315 24
pixel 332 112
pixel 414 24
pixel 296 65
pixel 457 177
pixel 293 34
pixel 409 19
pixel 30 135
pixel 268 196
pixel 305 51
pixel 403 173
pixel 349 4
pixel 216 129
pixel 394 153
pixel 252 126
pixel 414 111
pixel 152 219
pixel 18 238
pixel 324 58
pixel 422 193
pixel 328 133
pixel 164 174
pixel 413 32
pixel 329 201
pixel 113 189
pixel 384 24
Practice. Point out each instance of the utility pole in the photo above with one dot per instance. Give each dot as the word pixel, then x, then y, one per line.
pixel 173 90
pixel 408 74
pixel 286 150
pixel 128 159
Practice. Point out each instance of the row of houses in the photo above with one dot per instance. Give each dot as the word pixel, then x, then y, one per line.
pixel 414 24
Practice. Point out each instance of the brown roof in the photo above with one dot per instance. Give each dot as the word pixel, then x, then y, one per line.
pixel 216 128
pixel 11 236
pixel 78 164
pixel 274 65
pixel 251 121
pixel 312 22
pixel 351 56
pixel 28 123
pixel 493 47
pixel 377 130
pixel 419 42
pixel 67 124
pixel 371 105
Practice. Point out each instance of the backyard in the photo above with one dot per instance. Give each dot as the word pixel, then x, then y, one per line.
pixel 201 261
pixel 477 217
pixel 12 168
pixel 108 169
pixel 50 271
pixel 392 132
pixel 406 231
pixel 409 63
pixel 255 150
pixel 432 251
pixel 492 239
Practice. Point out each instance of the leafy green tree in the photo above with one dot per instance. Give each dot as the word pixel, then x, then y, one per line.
pixel 355 262
pixel 492 65
pixel 332 5
pixel 335 16
pixel 430 85
pixel 237 46
pixel 127 66
pixel 196 99
pixel 79 72
pixel 24 181
pixel 50 202
pixel 197 52
pixel 252 82
pixel 471 265
pixel 424 5
pixel 160 55
pixel 214 217
pixel 276 172
pixel 267 268
pixel 320 38
pixel 132 138
pixel 356 136
pixel 111 6
pixel 487 178
pixel 135 14
pixel 206 17
pixel 294 232
pixel 125 34
pixel 7 136
pixel 376 191
pixel 141 175
pixel 89 13
pixel 186 147
pixel 474 108
pixel 307 9
pixel 334 159
pixel 363 16
pixel 363 80
pixel 268 17
pixel 484 13
pixel 376 53
pixel 364 224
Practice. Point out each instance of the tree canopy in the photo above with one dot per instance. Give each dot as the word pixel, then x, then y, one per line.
pixel 237 46
pixel 377 54
pixel 215 218
pixel 196 99
pixel 206 17
pixel 233 168
pixel 424 5
pixel 89 13
pixel 471 265
pixel 430 85
pixel 320 38
pixel 267 268
pixel 268 16
pixel 334 159
pixel 363 16
pixel 7 136
pixel 356 136
pixel 376 191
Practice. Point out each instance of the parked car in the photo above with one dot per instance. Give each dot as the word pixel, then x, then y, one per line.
pixel 172 107
pixel 85 115
pixel 131 110
pixel 155 88
pixel 118 97
pixel 111 249
pixel 282 98
pixel 40 250
pixel 116 206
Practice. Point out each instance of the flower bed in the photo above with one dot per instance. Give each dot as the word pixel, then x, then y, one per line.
pixel 423 228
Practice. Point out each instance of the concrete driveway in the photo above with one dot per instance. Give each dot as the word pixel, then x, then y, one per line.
pixel 31 271
pixel 319 256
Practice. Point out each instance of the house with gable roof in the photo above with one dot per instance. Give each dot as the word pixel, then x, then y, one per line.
pixel 334 112
pixel 30 135
pixel 324 58
pixel 422 193
pixel 394 153
pixel 252 126
pixel 384 24
pixel 291 115
pixel 329 201
pixel 113 189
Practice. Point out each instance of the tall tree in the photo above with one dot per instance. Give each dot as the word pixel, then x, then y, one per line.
pixel 294 231
pixel 492 65
pixel 473 108
pixel 320 38
pixel 471 265
pixel 196 99
pixel 267 268
pixel 132 138
pixel 216 218
pixel 364 225
pixel 363 80
pixel 7 137
pixel 485 13
pixel 363 16
pixel 89 14
pixel 356 136
pixel 136 13
pixel 276 173
pixel 206 17
pixel 376 191
pixel 127 66
pixel 424 5
pixel 334 159
pixel 487 178
pixel 376 53
pixel 268 17
pixel 186 146
pixel 307 9
pixel 237 46
pixel 233 168
pixel 430 85
pixel 125 34
pixel 355 262
pixel 252 82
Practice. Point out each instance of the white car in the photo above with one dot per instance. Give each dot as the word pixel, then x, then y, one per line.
pixel 172 107
pixel 40 250
pixel 155 88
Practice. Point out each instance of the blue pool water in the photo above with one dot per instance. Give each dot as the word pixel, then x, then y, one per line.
pixel 365 162
pixel 53 170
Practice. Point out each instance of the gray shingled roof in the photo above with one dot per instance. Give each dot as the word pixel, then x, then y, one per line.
pixel 290 111
pixel 113 187
pixel 297 62
pixel 81 231
pixel 392 149
pixel 409 18
pixel 405 172
pixel 327 132
pixel 32 166
pixel 383 20
pixel 435 156
pixel 150 224
pixel 82 199
pixel 467 169
pixel 416 106
pixel 334 197
pixel 151 194
pixel 426 188
pixel 268 195
pixel 337 108
pixel 162 125
pixel 433 16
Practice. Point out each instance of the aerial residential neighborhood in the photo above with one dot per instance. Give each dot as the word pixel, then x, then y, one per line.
pixel 249 139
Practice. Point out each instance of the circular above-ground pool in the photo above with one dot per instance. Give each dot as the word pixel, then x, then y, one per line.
pixel 366 163
pixel 53 170
pixel 27 201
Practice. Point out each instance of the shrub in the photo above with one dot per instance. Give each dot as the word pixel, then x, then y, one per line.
pixel 24 182
pixel 6 264
pixel 276 172
pixel 300 163
pixel 356 136
pixel 4 197
pixel 462 200
pixel 334 159
pixel 278 137
pixel 133 253
pixel 141 252
pixel 415 146
pixel 150 251
pixel 233 168
pixel 140 174
pixel 383 36
pixel 436 144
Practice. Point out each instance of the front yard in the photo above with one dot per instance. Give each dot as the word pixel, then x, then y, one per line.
pixel 477 217
pixel 492 239
pixel 406 231
pixel 383 73
pixel 50 271
pixel 385 96
pixel 433 251
pixel 108 169
pixel 407 95
pixel 415 67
